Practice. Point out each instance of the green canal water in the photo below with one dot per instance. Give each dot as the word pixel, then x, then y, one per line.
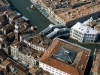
pixel 37 19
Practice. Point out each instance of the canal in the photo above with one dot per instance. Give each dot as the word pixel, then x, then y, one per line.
pixel 35 17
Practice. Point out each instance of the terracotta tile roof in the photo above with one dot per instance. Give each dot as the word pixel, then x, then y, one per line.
pixel 26 31
pixel 46 73
pixel 37 54
pixel 39 40
pixel 1 42
pixel 23 26
pixel 85 7
pixel 96 64
pixel 10 35
pixel 15 43
pixel 26 50
pixel 82 11
pixel 5 63
pixel 1 57
pixel 2 19
pixel 79 63
pixel 20 19
pixel 32 70
pixel 3 3
pixel 11 13
pixel 3 36
pixel 21 70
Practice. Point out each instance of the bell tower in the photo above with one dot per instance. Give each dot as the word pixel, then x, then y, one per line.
pixel 17 31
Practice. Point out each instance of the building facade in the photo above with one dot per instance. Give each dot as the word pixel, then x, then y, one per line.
pixel 35 46
pixel 20 54
pixel 52 70
pixel 83 33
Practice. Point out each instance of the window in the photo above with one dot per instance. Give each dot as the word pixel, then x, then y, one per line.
pixel 70 31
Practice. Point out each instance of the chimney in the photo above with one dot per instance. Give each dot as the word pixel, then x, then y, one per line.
pixel 32 27
pixel 25 26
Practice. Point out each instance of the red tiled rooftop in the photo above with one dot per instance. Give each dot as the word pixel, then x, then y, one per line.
pixel 5 63
pixel 69 68
pixel 96 64
pixel 15 43
pixel 32 70
pixel 84 8
pixel 11 13
pixel 3 3
pixel 39 40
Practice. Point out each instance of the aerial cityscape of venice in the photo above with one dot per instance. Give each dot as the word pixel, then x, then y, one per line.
pixel 49 37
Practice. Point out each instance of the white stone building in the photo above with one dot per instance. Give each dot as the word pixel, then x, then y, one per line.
pixel 83 33
pixel 24 54
pixel 35 46
pixel 52 70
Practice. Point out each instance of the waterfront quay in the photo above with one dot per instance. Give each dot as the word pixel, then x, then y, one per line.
pixel 35 17
pixel 43 12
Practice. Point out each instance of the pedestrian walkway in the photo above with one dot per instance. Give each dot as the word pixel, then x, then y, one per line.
pixel 44 13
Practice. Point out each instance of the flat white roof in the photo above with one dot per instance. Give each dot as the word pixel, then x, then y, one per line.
pixel 84 28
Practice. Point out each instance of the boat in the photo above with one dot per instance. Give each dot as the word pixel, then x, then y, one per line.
pixel 32 6
pixel 28 8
